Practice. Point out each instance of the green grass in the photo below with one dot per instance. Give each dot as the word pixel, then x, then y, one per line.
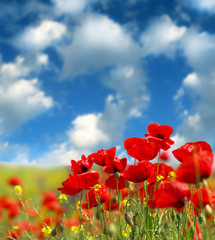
pixel 35 179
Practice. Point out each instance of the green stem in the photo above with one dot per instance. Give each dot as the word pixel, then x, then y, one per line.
pixel 80 230
pixel 88 203
pixel 157 171
pixel 117 189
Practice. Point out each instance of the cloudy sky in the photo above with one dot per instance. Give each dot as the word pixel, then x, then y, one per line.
pixel 80 75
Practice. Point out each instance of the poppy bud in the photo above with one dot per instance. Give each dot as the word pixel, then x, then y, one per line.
pixel 115 199
pixel 201 218
pixel 112 230
pixel 61 227
pixel 54 232
pixel 208 211
pixel 117 174
pixel 129 218
pixel 127 183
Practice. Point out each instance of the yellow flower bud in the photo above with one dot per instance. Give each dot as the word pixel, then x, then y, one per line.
pixel 18 190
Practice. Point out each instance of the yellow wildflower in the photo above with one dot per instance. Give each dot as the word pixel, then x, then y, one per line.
pixel 46 231
pixel 76 229
pixel 97 187
pixel 18 190
pixel 15 228
pixel 128 227
pixel 62 198
pixel 124 202
pixel 124 233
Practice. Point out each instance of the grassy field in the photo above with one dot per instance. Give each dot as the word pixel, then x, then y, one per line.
pixel 35 179
pixel 156 224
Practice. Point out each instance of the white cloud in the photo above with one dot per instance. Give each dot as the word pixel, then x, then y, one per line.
pixel 191 80
pixel 98 42
pixel 21 99
pixel 129 83
pixel 16 153
pixel 179 140
pixel 86 135
pixel 60 154
pixel 42 36
pixel 11 71
pixel 199 50
pixel 68 6
pixel 198 86
pixel 20 102
pixel 202 5
pixel 162 37
pixel 86 132
pixel 42 59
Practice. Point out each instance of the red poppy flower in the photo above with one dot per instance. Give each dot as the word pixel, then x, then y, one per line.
pixel 14 180
pixel 165 156
pixel 190 148
pixel 160 134
pixel 49 197
pixel 97 194
pixel 12 206
pixel 75 183
pixel 102 156
pixel 111 182
pixel 139 172
pixel 170 195
pixel 202 197
pixel 50 202
pixel 141 149
pixel 163 172
pixel 82 165
pixel 115 165
pixel 195 167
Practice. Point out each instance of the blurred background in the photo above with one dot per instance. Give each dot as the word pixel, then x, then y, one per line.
pixel 80 75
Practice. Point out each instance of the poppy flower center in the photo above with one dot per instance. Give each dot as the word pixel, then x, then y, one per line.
pixel 160 136
pixel 84 168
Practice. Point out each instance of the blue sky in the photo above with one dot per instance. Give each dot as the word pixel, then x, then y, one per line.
pixel 80 75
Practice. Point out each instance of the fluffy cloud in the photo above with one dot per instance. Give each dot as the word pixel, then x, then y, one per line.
pixel 191 81
pixel 98 42
pixel 72 7
pixel 86 132
pixel 199 50
pixel 202 5
pixel 85 136
pixel 198 87
pixel 162 37
pixel 17 153
pixel 42 36
pixel 131 98
pixel 60 154
pixel 20 99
